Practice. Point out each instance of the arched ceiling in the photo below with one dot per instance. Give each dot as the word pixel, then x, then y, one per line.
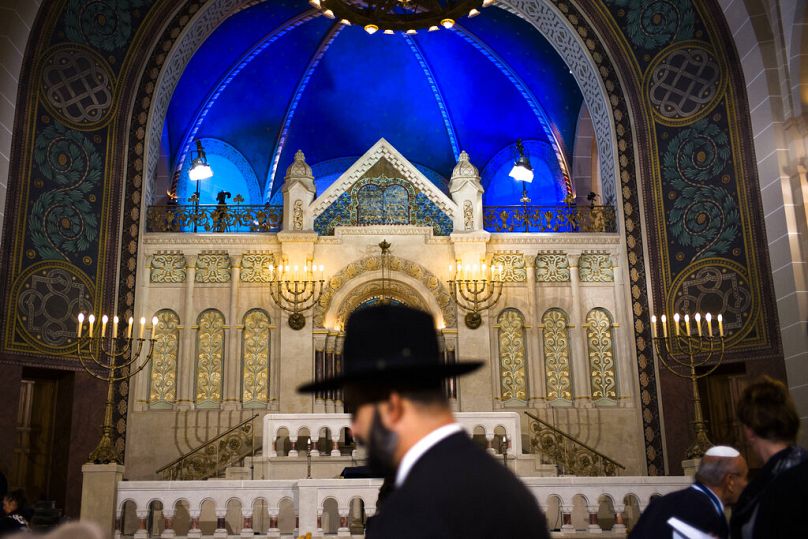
pixel 278 77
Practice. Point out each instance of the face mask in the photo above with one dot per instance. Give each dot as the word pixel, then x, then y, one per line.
pixel 381 446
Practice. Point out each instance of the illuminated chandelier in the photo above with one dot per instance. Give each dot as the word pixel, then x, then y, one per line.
pixel 407 16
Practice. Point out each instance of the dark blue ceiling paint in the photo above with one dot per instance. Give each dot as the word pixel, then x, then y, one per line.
pixel 254 85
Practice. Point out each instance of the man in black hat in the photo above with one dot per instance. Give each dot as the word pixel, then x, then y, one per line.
pixel 445 485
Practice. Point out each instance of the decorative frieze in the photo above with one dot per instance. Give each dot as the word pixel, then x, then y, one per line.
pixel 552 267
pixel 513 266
pixel 595 267
pixel 168 267
pixel 213 267
pixel 255 267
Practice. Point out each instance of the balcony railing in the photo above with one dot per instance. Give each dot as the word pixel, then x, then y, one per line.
pixel 549 218
pixel 214 218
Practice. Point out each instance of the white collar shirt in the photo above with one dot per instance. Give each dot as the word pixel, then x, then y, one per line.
pixel 422 446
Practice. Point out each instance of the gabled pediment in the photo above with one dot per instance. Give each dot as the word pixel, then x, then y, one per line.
pixel 383 187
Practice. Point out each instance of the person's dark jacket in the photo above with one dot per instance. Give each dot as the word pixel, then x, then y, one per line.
pixel 688 505
pixel 776 499
pixel 456 490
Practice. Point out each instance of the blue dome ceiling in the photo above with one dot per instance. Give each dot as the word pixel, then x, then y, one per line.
pixel 278 77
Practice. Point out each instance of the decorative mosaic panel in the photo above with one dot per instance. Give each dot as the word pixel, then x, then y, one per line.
pixel 255 359
pixel 595 268
pixel 209 358
pixel 168 267
pixel 552 268
pixel 163 377
pixel 212 267
pixel 255 267
pixel 557 373
pixel 513 266
pixel 600 345
pixel 383 201
pixel 512 360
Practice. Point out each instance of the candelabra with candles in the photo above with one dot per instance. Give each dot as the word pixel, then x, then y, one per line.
pixel 296 292
pixel 111 358
pixel 683 352
pixel 475 289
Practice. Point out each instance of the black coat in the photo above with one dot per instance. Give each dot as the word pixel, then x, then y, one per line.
pixel 457 490
pixel 688 505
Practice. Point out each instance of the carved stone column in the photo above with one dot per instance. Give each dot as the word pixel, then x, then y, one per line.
pixel 566 519
pixel 194 532
pixel 185 358
pixel 532 337
pixel 231 399
pixel 273 530
pixel 622 368
pixel 142 532
pixel 141 382
pixel 593 527
pixel 344 530
pixel 619 525
pixel 168 531
pixel 247 524
pixel 320 338
pixel 221 526
pixel 579 368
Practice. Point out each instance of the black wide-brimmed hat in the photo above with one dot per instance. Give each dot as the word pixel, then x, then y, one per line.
pixel 391 346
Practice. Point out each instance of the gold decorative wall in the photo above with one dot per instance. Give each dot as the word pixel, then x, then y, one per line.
pixel 163 379
pixel 255 359
pixel 600 345
pixel 512 377
pixel 556 355
pixel 209 358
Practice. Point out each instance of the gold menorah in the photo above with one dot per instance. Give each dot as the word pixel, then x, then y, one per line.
pixel 475 289
pixel 683 352
pixel 122 354
pixel 296 292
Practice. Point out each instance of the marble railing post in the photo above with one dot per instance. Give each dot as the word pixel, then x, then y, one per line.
pixel 335 452
pixel 247 523
pixel 142 532
pixel 118 531
pixel 293 440
pixel 566 515
pixel 489 439
pixel 168 517
pixel 221 526
pixel 273 530
pixel 319 529
pixel 194 531
pixel 344 530
pixel 314 438
pixel 594 526
pixel 579 369
pixel 185 360
pixel 232 363
pixel 619 525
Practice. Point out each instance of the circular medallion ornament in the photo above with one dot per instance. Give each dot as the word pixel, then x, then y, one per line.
pixel 297 321
pixel 473 320
pixel 78 86
pixel 104 24
pixel 684 83
pixel 717 285
pixel 49 296
pixel 655 23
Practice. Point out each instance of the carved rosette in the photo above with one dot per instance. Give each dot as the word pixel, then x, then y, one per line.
pixel 513 266
pixel 163 380
pixel 513 381
pixel 168 267
pixel 595 268
pixel 255 343
pixel 556 355
pixel 255 267
pixel 601 355
pixel 209 357
pixel 213 267
pixel 552 267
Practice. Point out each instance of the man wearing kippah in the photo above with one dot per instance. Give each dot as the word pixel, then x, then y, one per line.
pixel 443 484
pixel 720 479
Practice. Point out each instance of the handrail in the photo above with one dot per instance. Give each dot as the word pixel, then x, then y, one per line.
pixel 206 444
pixel 576 441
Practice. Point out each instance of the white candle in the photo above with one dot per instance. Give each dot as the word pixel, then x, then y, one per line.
pixel 322 272
pixel 92 323
pixel 720 326
pixel 115 321
pixel 104 320
pixel 687 324
pixel 653 326
pixel 142 327
pixel 81 323
pixel 709 319
pixel 664 326
pixel 154 321
pixel 676 323
pixel 129 328
pixel 698 323
pixel 450 270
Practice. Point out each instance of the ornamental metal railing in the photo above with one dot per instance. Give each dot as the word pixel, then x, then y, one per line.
pixel 214 218
pixel 570 455
pixel 562 218
pixel 212 457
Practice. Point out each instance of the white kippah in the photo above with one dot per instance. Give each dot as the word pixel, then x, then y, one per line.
pixel 722 451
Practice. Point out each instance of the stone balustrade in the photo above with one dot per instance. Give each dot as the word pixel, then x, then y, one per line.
pixel 485 423
pixel 339 507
